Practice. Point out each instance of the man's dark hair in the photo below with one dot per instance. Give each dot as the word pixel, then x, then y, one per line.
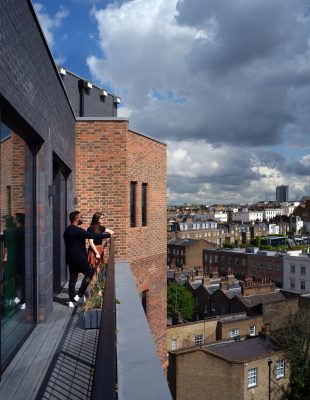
pixel 20 217
pixel 73 215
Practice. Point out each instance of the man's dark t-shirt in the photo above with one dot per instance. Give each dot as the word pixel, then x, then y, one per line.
pixel 74 237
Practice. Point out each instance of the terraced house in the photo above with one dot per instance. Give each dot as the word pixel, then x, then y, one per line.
pixel 54 124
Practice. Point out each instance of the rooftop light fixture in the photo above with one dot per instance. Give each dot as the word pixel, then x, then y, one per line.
pixel 117 99
pixel 62 71
pixel 103 93
pixel 88 85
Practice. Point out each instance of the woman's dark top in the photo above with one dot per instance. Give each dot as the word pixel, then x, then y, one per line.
pixel 92 230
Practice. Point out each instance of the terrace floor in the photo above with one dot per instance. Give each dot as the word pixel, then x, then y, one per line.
pixel 57 360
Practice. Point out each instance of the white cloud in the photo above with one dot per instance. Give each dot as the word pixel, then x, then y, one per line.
pixel 218 84
pixel 50 23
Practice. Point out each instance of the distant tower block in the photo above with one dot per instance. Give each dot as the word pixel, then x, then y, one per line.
pixel 282 194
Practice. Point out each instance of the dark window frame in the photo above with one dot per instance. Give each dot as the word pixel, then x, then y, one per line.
pixel 133 204
pixel 144 191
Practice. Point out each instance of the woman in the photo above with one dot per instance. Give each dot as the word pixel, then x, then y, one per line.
pixel 96 247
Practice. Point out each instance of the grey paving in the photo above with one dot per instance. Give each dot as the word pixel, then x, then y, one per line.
pixel 56 361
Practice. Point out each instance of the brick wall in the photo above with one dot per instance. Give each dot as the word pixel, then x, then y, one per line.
pixel 224 327
pixel 12 175
pixel 5 174
pixel 109 157
pixel 198 374
pixel 185 333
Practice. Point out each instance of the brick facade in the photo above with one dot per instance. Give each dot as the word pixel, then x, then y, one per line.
pixel 109 157
pixel 195 373
pixel 241 263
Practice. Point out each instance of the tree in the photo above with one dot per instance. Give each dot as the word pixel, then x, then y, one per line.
pixel 179 299
pixel 294 339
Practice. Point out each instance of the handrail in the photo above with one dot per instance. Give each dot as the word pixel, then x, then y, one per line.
pixel 105 374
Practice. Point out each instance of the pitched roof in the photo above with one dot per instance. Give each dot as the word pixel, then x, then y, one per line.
pixel 264 298
pixel 244 350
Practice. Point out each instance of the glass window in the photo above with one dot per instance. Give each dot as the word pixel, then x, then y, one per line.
pixel 199 339
pixel 144 203
pixel 302 270
pixel 292 269
pixel 252 377
pixel 174 344
pixel 234 332
pixel 133 187
pixel 16 241
pixel 292 283
pixel 280 369
pixel 252 330
pixel 302 285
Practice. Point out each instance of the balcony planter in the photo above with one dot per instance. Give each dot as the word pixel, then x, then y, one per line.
pixel 90 316
pixel 90 319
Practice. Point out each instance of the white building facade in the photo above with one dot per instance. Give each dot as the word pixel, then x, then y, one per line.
pixel 296 273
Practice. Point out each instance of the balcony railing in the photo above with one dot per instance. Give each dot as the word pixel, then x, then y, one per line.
pixel 127 363
pixel 105 375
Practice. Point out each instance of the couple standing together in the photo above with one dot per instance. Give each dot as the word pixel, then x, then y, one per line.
pixel 77 258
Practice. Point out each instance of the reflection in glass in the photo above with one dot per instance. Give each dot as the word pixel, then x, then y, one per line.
pixel 16 264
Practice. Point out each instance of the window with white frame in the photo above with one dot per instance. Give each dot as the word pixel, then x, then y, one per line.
pixel 199 339
pixel 280 369
pixel 174 344
pixel 234 332
pixel 252 377
pixel 252 330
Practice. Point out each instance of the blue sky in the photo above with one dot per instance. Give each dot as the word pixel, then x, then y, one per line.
pixel 224 83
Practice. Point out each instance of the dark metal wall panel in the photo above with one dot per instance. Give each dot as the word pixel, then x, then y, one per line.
pixel 95 105
pixel 34 100
pixel 31 83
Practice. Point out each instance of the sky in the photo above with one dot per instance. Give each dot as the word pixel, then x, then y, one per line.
pixel 226 84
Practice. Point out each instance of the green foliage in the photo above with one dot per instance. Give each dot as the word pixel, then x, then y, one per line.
pixel 97 291
pixel 228 245
pixel 294 339
pixel 179 299
pixel 256 241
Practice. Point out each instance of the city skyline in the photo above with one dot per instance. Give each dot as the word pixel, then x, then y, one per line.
pixel 226 92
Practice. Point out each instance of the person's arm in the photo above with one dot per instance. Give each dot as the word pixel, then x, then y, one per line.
pixel 90 235
pixel 93 247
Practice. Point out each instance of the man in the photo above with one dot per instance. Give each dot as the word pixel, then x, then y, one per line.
pixel 76 255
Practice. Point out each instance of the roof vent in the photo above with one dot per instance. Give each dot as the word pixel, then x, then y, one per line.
pixel 103 93
pixel 117 99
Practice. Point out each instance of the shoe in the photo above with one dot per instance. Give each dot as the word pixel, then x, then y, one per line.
pixel 81 299
pixel 72 303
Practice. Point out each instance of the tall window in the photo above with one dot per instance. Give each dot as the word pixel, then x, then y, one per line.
pixel 234 332
pixel 292 269
pixel 144 300
pixel 252 377
pixel 144 203
pixel 199 339
pixel 302 285
pixel 133 190
pixel 280 369
pixel 302 270
pixel 174 344
pixel 252 330
pixel 16 242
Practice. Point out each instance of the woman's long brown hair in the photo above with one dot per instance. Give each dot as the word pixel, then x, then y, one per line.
pixel 95 222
